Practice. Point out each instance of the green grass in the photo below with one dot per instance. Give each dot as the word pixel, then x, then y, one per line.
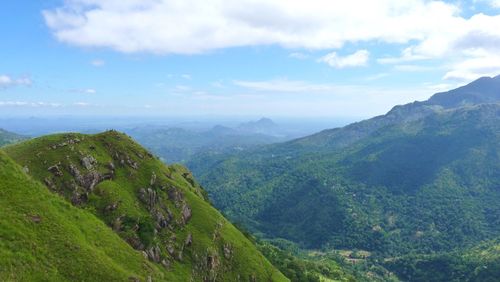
pixel 211 232
pixel 67 244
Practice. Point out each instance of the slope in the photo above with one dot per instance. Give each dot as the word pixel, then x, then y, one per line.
pixel 158 210
pixel 7 137
pixel 42 237
pixel 423 178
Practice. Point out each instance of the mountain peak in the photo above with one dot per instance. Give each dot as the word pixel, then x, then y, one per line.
pixel 482 90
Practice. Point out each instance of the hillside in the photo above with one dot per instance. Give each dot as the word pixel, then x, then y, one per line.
pixel 128 210
pixel 423 178
pixel 7 137
pixel 178 145
pixel 479 263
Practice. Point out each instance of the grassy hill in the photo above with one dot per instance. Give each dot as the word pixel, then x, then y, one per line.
pixel 7 137
pixel 129 211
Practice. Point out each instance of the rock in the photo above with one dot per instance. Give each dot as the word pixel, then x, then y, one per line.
pixel 90 180
pixel 26 169
pixel 166 263
pixel 189 240
pixel 111 166
pixel 212 262
pixel 35 218
pixel 153 179
pixel 49 183
pixel 136 244
pixel 55 170
pixel 175 196
pixel 76 174
pixel 149 197
pixel 170 249
pixel 186 213
pixel 228 251
pixel 111 207
pixel 154 254
pixel 88 162
pixel 160 219
pixel 134 279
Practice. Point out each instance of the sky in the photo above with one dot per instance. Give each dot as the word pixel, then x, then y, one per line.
pixel 315 58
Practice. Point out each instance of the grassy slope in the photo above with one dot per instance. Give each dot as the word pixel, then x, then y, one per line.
pixel 212 234
pixel 65 244
pixel 9 137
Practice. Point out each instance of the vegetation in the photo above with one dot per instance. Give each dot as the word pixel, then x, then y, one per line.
pixel 422 179
pixel 129 211
pixel 7 137
pixel 177 145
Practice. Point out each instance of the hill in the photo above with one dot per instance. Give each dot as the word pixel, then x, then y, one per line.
pixel 178 145
pixel 129 211
pixel 423 178
pixel 7 137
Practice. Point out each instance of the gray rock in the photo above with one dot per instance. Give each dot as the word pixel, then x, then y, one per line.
pixel 55 170
pixel 186 213
pixel 88 162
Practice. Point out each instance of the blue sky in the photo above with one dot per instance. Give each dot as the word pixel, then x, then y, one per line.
pixel 318 58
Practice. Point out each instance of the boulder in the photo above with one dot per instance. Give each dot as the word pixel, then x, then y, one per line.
pixel 186 213
pixel 88 162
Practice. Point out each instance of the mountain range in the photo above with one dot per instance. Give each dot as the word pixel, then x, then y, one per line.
pixel 422 179
pixel 179 145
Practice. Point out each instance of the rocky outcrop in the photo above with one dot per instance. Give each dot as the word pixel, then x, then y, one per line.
pixel 88 162
pixel 55 170
pixel 149 197
pixel 186 213
pixel 154 254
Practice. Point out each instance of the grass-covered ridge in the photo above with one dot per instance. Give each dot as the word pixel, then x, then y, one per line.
pixel 159 211
pixel 7 137
pixel 43 237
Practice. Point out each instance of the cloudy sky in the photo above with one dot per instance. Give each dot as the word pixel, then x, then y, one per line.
pixel 243 57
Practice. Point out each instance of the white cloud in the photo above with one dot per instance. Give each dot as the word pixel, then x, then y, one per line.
pixel 84 91
pixel 8 81
pixel 82 104
pixel 359 58
pixel 475 66
pixel 413 68
pixel 298 55
pixel 283 85
pixel 97 63
pixel 29 104
pixel 197 26
pixel 186 76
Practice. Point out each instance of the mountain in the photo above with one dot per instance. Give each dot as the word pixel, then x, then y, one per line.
pixel 261 126
pixel 106 199
pixel 177 145
pixel 424 178
pixel 7 137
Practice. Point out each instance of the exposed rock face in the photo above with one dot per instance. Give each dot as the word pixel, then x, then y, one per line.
pixel 149 197
pixel 75 172
pixel 55 170
pixel 186 213
pixel 90 180
pixel 153 179
pixel 189 240
pixel 228 251
pixel 175 196
pixel 88 162
pixel 154 254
